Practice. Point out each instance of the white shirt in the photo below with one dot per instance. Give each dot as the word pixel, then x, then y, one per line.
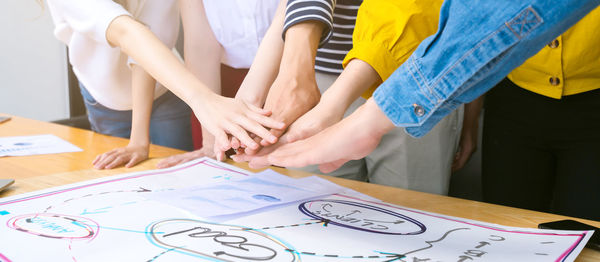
pixel 104 70
pixel 239 26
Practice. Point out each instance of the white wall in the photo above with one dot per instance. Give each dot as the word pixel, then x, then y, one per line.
pixel 33 66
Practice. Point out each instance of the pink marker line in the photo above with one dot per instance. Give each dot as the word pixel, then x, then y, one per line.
pixel 560 258
pixel 4 258
pixel 114 180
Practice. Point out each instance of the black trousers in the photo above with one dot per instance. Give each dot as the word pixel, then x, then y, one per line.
pixel 542 153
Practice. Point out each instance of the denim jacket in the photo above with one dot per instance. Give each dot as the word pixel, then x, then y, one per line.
pixel 478 43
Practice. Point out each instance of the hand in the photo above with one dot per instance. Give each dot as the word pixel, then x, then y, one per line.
pixel 256 159
pixel 352 138
pixel 291 97
pixel 129 155
pixel 466 147
pixel 287 100
pixel 221 116
pixel 314 121
pixel 206 150
pixel 311 123
pixel 468 136
pixel 185 157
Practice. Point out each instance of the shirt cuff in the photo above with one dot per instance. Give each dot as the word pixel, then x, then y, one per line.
pixel 405 109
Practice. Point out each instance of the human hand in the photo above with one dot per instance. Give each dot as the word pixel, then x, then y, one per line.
pixel 291 96
pixel 352 138
pixel 288 99
pixel 467 146
pixel 205 151
pixel 130 155
pixel 314 121
pixel 221 116
pixel 469 134
pixel 256 159
pixel 185 157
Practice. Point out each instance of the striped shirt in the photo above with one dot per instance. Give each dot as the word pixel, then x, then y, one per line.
pixel 338 16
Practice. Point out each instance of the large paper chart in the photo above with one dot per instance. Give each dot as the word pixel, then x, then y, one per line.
pixel 113 219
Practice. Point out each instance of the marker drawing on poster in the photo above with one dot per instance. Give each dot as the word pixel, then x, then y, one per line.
pixel 133 217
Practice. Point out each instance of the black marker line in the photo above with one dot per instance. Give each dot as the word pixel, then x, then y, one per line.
pixel 435 241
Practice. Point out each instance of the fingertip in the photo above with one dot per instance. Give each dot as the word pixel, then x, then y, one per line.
pixel 253 145
pixel 264 142
pixel 273 158
pixel 272 139
pixel 280 125
pixel 235 143
pixel 265 112
pixel 289 138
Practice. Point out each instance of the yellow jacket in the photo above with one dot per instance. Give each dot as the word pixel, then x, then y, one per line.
pixel 567 66
pixel 385 41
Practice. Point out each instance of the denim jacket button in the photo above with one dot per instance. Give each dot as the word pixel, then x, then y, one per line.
pixel 554 81
pixel 553 44
pixel 419 110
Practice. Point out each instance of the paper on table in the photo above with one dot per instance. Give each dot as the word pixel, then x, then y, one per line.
pixel 256 192
pixel 34 145
pixel 315 183
pixel 82 221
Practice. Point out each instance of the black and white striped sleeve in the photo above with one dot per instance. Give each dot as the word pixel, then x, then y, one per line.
pixel 310 10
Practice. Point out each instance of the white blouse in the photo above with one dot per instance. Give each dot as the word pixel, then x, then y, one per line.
pixel 102 69
pixel 239 26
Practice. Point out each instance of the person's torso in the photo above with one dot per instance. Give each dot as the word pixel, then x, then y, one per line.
pixel 239 26
pixel 102 69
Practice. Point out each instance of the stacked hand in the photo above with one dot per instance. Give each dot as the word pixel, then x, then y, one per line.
pixel 288 99
pixel 222 116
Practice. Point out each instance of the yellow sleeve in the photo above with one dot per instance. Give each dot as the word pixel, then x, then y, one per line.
pixel 388 31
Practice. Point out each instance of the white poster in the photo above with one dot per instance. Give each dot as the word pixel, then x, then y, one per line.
pixel 123 218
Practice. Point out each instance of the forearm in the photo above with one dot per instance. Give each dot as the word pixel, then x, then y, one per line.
pixel 471 115
pixel 142 88
pixel 356 78
pixel 201 48
pixel 300 50
pixel 139 42
pixel 264 69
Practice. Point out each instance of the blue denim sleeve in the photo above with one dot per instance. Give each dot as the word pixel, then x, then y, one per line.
pixel 478 43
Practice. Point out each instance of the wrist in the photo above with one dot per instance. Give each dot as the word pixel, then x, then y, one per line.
pixel 138 144
pixel 297 64
pixel 335 106
pixel 378 122
pixel 300 49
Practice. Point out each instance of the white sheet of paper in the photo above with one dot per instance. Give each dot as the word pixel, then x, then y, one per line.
pixel 34 145
pixel 111 219
pixel 253 193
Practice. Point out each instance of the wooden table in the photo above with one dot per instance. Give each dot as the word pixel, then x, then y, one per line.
pixel 43 171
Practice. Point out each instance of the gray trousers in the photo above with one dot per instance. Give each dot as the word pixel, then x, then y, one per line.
pixel 400 160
